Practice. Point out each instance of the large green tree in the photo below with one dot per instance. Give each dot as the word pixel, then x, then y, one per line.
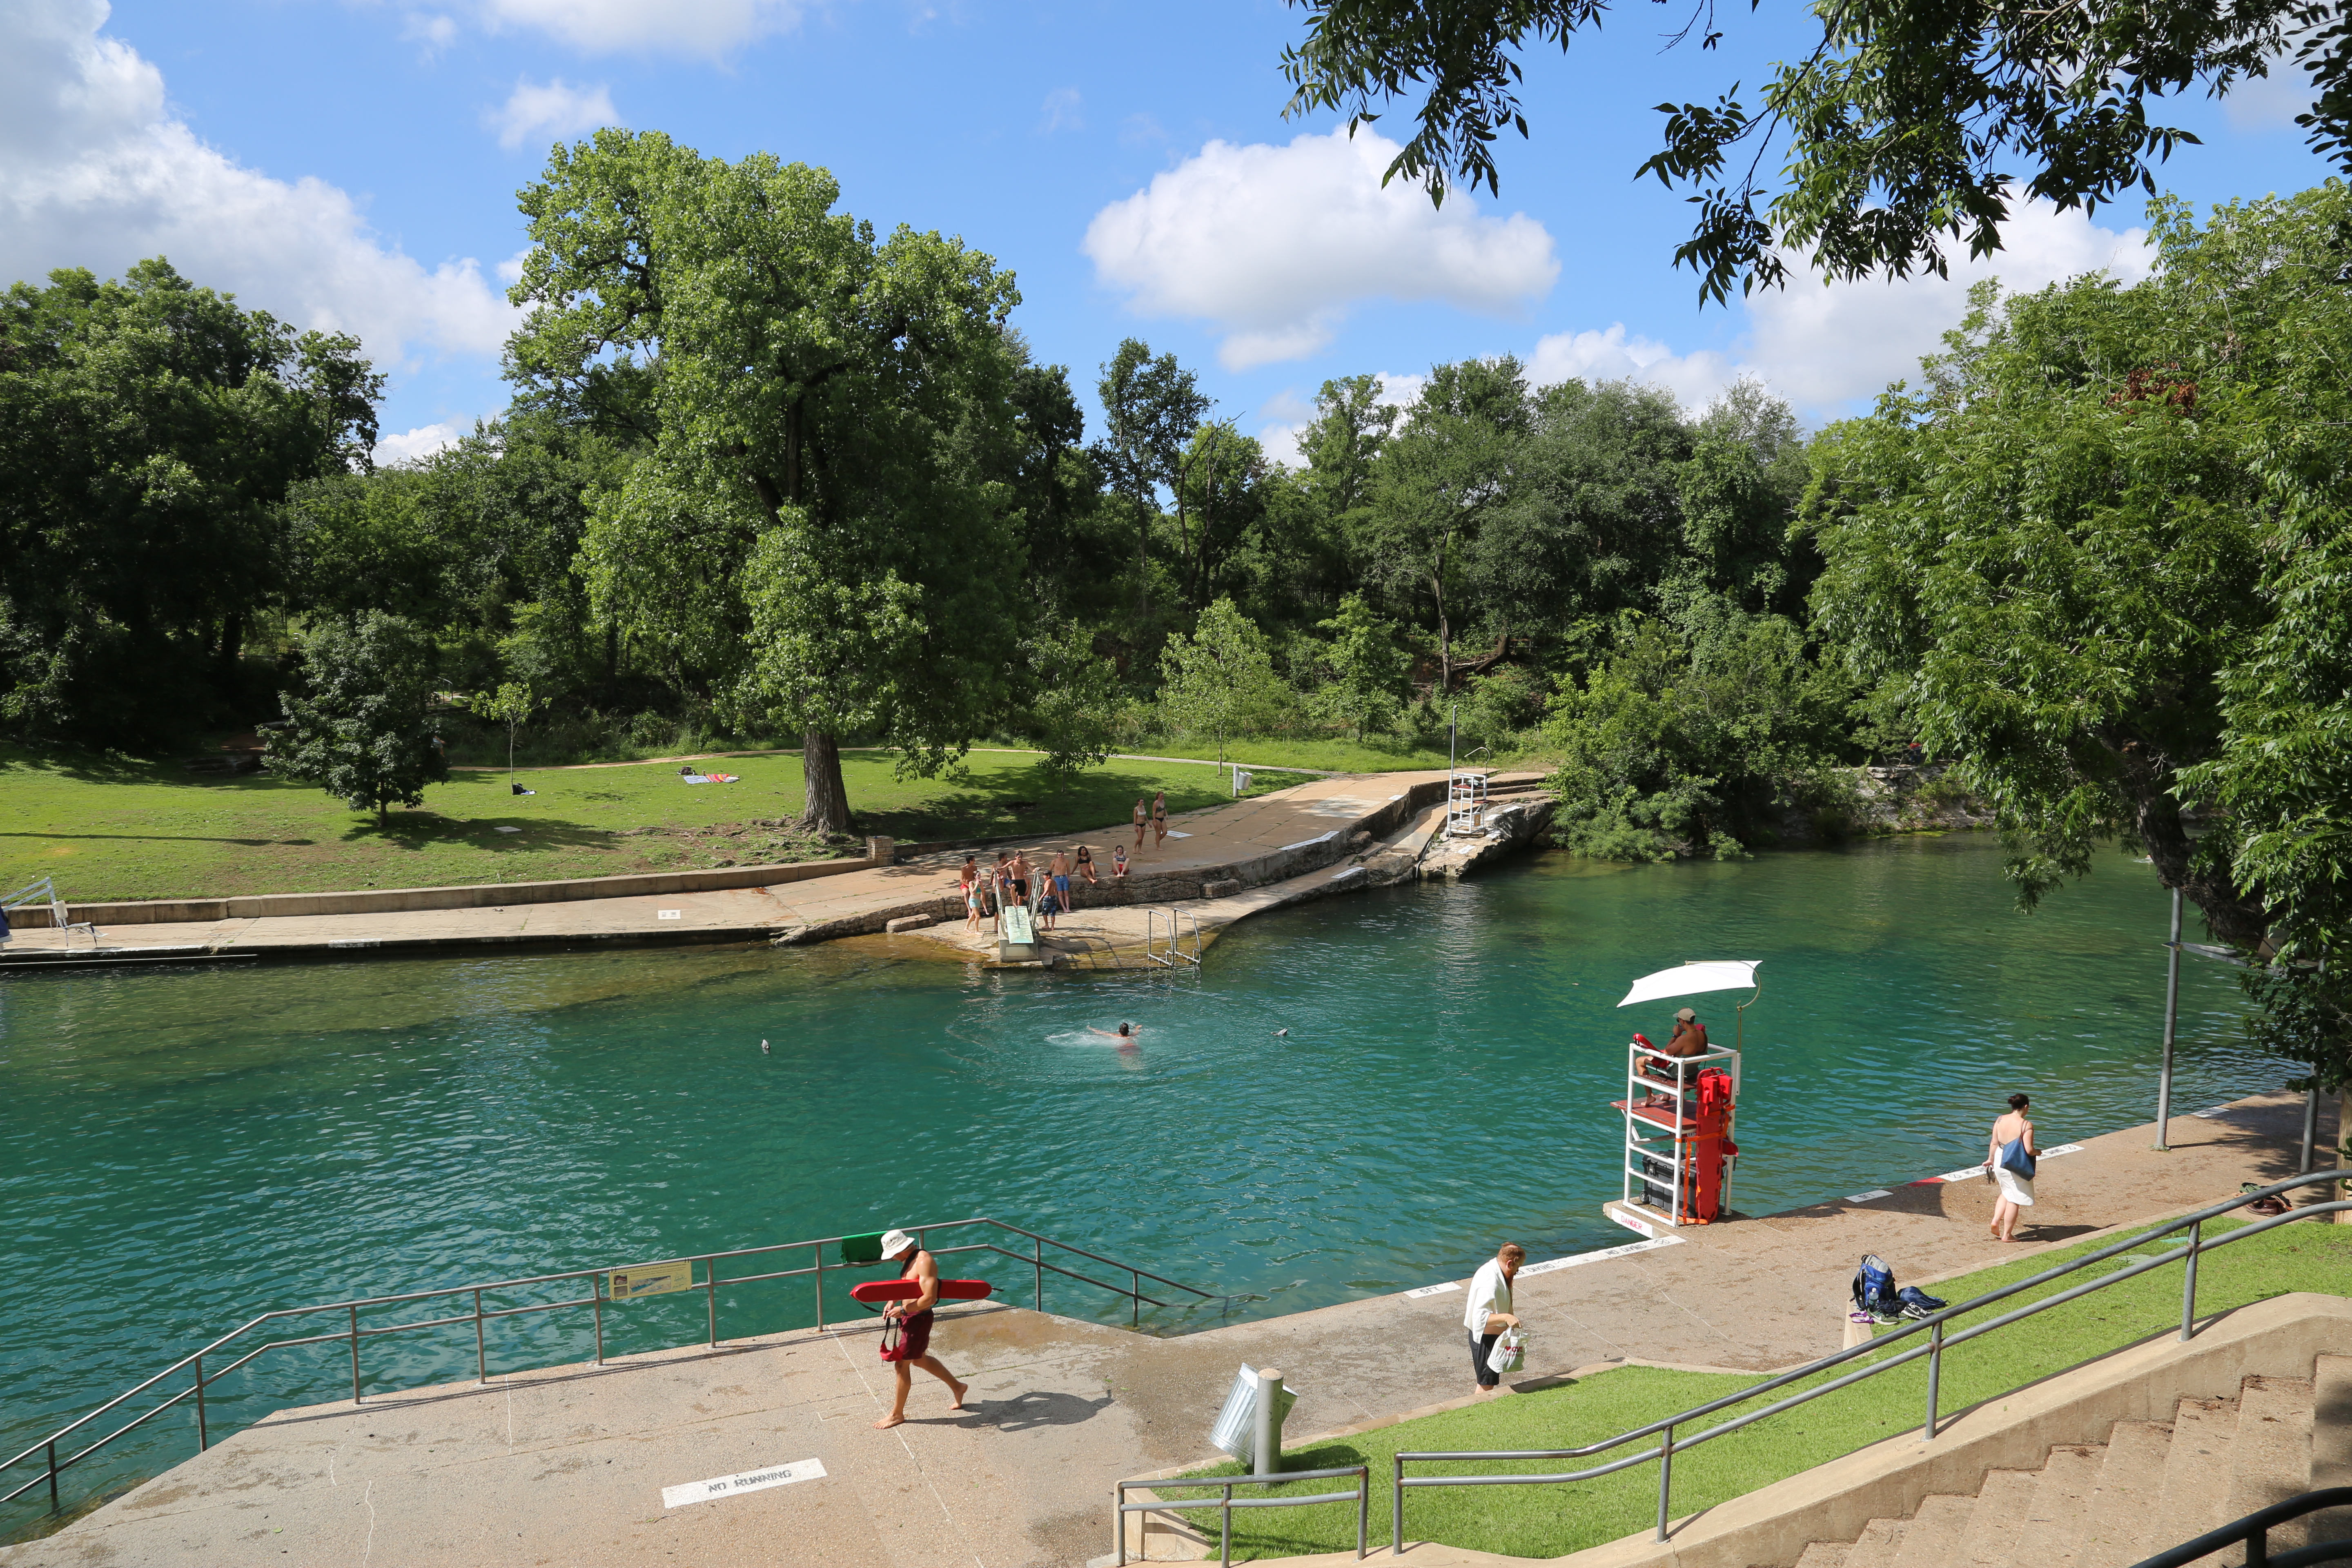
pixel 1908 125
pixel 361 725
pixel 825 517
pixel 1152 409
pixel 149 429
pixel 1439 480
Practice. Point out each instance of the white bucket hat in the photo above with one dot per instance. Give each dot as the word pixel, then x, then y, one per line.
pixel 894 1242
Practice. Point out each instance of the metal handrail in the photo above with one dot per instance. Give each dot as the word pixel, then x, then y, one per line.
pixel 1150 925
pixel 1224 1503
pixel 2255 1531
pixel 1933 1350
pixel 1193 957
pixel 707 1264
pixel 45 891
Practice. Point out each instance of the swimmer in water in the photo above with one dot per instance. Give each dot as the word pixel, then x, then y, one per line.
pixel 1126 1032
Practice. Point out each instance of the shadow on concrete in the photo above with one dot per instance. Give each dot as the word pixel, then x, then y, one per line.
pixel 1027 1412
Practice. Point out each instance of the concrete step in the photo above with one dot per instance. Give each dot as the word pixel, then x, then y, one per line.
pixel 1881 1540
pixel 2331 1443
pixel 1932 1536
pixel 1824 1554
pixel 2061 1493
pixel 2270 1460
pixel 1998 1521
pixel 2195 1473
pixel 2131 1477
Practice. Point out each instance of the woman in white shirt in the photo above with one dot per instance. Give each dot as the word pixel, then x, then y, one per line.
pixel 1488 1311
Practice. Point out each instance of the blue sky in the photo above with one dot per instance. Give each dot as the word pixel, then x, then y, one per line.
pixel 353 162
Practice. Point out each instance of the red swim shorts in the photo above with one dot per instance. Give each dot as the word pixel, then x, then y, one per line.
pixel 914 1339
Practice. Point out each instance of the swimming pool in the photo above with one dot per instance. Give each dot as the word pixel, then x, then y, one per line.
pixel 184 1148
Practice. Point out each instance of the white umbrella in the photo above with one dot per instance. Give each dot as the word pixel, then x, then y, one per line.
pixel 1702 974
pixel 1690 979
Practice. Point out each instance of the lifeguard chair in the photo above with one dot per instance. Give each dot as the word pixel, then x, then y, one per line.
pixel 1680 1111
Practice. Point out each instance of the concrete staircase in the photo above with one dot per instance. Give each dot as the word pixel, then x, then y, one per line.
pixel 2149 1486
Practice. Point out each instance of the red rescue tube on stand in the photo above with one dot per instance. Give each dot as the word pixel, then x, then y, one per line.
pixel 909 1289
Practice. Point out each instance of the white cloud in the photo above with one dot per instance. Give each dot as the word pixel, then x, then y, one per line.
pixel 421 442
pixel 554 112
pixel 1274 244
pixel 707 27
pixel 96 173
pixel 1064 109
pixel 1822 346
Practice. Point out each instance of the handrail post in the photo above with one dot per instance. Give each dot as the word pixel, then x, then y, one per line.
pixel 1363 1506
pixel 356 1355
pixel 53 1475
pixel 1119 1522
pixel 1041 1271
pixel 819 1250
pixel 1134 1298
pixel 710 1285
pixel 596 1294
pixel 1935 1373
pixel 1396 1508
pixel 1225 1551
pixel 2257 1547
pixel 2189 1285
pixel 481 1356
pixel 1666 1477
pixel 203 1441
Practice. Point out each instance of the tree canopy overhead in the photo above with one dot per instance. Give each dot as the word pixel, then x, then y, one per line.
pixel 1910 125
pixel 824 519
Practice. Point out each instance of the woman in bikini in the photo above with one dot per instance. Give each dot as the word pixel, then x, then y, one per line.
pixel 1158 821
pixel 1142 815
pixel 1087 865
pixel 1118 860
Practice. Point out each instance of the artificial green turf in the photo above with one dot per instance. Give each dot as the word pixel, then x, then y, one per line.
pixel 108 827
pixel 1550 1520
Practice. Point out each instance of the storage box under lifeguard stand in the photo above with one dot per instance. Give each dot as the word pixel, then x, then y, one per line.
pixel 1679 1157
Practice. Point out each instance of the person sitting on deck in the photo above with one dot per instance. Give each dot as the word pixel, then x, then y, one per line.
pixel 1689 1039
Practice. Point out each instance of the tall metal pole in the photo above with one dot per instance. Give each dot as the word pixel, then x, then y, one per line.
pixel 2171 1023
pixel 1265 1457
pixel 2310 1130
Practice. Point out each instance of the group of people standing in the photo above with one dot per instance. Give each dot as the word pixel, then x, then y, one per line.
pixel 988 893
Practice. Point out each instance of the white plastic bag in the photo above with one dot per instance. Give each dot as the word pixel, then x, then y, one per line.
pixel 1510 1352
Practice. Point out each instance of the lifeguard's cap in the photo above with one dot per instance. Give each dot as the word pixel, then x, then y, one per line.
pixel 1685 1014
pixel 894 1242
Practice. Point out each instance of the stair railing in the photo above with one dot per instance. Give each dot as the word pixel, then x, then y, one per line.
pixel 1938 1340
pixel 467 1308
pixel 2255 1531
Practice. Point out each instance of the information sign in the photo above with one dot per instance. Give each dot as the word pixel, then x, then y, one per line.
pixel 649 1280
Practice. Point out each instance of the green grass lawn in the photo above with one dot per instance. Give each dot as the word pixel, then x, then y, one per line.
pixel 1550 1520
pixel 108 827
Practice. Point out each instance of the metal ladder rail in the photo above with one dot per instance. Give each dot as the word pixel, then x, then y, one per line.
pixel 1193 957
pixel 45 891
pixel 1150 925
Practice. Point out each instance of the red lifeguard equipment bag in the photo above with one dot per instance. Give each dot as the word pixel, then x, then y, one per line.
pixel 1709 1145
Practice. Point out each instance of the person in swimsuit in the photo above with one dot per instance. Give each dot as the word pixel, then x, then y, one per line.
pixel 1087 865
pixel 1142 815
pixel 1020 874
pixel 1159 820
pixel 915 1325
pixel 2016 1191
pixel 999 880
pixel 968 884
pixel 1689 1039
pixel 1126 1032
pixel 1060 871
pixel 1118 858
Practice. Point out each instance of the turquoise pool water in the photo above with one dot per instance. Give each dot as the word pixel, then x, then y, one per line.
pixel 184 1149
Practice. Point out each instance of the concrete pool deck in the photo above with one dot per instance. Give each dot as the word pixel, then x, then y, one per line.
pixel 568 1465
pixel 1263 839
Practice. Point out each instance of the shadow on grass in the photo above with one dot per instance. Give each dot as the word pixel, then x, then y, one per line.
pixel 162 838
pixel 1033 799
pixel 417 831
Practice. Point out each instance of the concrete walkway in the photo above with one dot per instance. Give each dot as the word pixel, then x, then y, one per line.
pixel 1263 839
pixel 570 1465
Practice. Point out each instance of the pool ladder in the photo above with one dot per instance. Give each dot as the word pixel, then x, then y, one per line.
pixel 1151 918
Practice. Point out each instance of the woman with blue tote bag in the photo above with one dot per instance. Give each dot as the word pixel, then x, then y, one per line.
pixel 2009 1160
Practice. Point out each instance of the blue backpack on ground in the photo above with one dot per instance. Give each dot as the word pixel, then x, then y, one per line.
pixel 1874 1289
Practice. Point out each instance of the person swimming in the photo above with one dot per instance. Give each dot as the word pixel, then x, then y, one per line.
pixel 1126 1032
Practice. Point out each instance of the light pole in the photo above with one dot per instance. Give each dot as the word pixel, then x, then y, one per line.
pixel 2172 1022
